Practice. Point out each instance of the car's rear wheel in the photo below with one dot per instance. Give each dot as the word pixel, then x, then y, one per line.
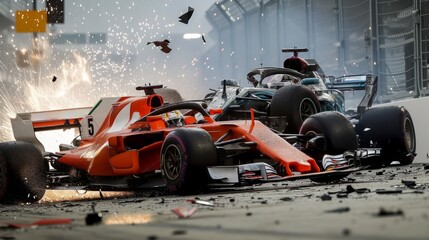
pixel 185 154
pixel 391 128
pixel 296 103
pixel 22 173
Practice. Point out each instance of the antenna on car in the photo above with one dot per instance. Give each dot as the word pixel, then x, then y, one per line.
pixel 148 89
pixel 224 88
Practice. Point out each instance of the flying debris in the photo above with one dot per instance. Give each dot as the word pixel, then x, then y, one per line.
pixel 339 210
pixel 94 217
pixel 42 222
pixel 388 213
pixel 204 203
pixel 164 45
pixel 182 212
pixel 184 18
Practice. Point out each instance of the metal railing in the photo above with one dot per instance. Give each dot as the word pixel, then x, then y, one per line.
pixel 424 14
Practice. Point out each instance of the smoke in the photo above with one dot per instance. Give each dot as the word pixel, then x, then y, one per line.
pixel 37 74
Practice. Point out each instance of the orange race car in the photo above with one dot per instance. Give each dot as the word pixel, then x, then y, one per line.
pixel 139 142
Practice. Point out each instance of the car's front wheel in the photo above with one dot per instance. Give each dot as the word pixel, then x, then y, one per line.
pixel 185 154
pixel 339 133
pixel 340 136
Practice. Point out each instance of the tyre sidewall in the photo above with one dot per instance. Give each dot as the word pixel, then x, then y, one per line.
pixel 288 101
pixel 197 151
pixel 175 184
pixel 385 127
pixel 338 131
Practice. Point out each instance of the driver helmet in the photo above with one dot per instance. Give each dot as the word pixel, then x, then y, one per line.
pixel 174 119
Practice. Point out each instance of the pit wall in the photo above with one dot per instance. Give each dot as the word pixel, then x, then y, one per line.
pixel 419 111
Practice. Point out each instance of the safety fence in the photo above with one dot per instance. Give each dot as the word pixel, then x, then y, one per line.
pixel 389 38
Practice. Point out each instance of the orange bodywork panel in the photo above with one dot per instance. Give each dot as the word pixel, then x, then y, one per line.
pixel 150 157
pixel 136 161
pixel 125 163
pixel 157 124
pixel 105 153
pixel 190 120
pixel 268 143
pixel 103 160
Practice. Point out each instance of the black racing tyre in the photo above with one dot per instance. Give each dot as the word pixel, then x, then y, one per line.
pixel 296 103
pixel 22 173
pixel 4 175
pixel 338 131
pixel 185 154
pixel 391 128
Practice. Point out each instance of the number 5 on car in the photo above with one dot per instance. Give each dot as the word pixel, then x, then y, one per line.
pixel 89 127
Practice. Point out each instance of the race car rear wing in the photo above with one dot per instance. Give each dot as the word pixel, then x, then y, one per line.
pixel 25 125
pixel 348 82
pixel 357 82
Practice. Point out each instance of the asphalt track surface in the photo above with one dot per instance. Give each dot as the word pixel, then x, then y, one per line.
pixel 388 203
